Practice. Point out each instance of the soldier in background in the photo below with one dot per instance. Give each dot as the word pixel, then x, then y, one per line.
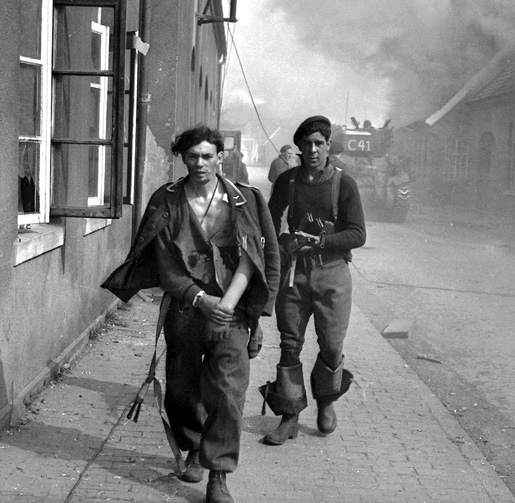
pixel 334 157
pixel 282 163
pixel 234 168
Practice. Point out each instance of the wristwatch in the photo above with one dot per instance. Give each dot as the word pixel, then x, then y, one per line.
pixel 197 298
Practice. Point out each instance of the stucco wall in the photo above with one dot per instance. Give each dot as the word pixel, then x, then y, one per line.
pixel 54 298
pixel 48 303
pixel 9 111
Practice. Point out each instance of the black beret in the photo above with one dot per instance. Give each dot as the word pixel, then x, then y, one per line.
pixel 300 130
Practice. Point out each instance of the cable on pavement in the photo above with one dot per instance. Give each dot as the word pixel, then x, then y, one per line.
pixel 421 287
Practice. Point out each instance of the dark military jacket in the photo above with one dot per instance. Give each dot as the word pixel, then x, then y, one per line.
pixel 254 232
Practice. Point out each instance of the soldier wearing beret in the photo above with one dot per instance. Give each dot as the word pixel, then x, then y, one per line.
pixel 326 221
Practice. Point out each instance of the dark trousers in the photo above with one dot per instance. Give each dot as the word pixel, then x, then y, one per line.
pixel 324 292
pixel 205 387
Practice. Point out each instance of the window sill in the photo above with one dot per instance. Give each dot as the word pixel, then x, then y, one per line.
pixel 39 239
pixel 95 224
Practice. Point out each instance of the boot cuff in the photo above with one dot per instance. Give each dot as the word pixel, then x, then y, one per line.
pixel 281 404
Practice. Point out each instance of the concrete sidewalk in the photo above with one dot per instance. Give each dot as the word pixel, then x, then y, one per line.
pixel 395 441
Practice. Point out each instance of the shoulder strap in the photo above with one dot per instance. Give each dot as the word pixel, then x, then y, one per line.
pixel 291 190
pixel 335 191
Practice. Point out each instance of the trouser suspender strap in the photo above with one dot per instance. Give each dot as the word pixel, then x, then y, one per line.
pixel 158 394
pixel 291 191
pixel 335 192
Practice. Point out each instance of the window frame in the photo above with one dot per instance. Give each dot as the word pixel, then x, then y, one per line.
pixel 44 140
pixel 44 62
pixel 114 207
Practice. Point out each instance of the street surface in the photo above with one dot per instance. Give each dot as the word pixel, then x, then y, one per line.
pixel 394 443
pixel 451 274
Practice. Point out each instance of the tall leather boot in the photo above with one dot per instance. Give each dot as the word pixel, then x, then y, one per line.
pixel 327 386
pixel 326 417
pixel 288 428
pixel 287 398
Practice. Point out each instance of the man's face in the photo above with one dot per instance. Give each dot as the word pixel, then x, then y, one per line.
pixel 202 161
pixel 314 149
pixel 287 154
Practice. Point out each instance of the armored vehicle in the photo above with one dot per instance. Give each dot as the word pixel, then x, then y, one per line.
pixel 383 178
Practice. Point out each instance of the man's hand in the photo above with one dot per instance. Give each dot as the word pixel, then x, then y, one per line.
pixel 214 310
pixel 216 332
pixel 308 240
pixel 218 317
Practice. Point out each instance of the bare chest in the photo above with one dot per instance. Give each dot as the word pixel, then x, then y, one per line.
pixel 214 217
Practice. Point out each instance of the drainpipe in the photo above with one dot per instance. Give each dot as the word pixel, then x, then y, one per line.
pixel 142 112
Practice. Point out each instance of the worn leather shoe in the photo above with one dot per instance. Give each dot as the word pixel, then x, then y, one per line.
pixel 326 417
pixel 194 471
pixel 216 491
pixel 288 428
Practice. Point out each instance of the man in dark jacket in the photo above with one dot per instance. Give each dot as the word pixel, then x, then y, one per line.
pixel 282 163
pixel 211 245
pixel 326 222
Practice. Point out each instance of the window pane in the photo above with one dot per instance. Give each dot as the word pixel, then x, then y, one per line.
pixel 28 177
pixel 82 38
pixel 30 28
pixel 83 107
pixel 29 100
pixel 81 175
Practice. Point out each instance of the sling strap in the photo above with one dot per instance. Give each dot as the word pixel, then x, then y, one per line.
pixel 158 394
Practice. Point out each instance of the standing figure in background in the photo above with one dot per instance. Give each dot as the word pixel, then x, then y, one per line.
pixel 325 219
pixel 234 168
pixel 282 163
pixel 210 245
pixel 335 151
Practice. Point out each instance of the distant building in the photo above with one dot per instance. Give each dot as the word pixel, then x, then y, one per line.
pixel 464 154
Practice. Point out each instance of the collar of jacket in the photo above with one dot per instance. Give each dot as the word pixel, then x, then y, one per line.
pixel 234 195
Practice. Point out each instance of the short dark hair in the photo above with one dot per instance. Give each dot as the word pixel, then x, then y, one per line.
pixel 195 135
pixel 317 127
pixel 284 148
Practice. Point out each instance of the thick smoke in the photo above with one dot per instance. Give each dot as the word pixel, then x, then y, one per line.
pixel 425 50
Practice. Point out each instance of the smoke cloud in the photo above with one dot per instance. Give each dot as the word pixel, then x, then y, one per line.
pixel 424 51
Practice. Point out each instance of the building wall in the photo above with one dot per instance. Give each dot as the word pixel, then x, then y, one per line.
pixel 50 303
pixel 8 187
pixel 485 119
pixel 183 56
pixel 483 189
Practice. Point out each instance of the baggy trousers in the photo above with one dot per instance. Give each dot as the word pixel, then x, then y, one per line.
pixel 326 293
pixel 206 384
